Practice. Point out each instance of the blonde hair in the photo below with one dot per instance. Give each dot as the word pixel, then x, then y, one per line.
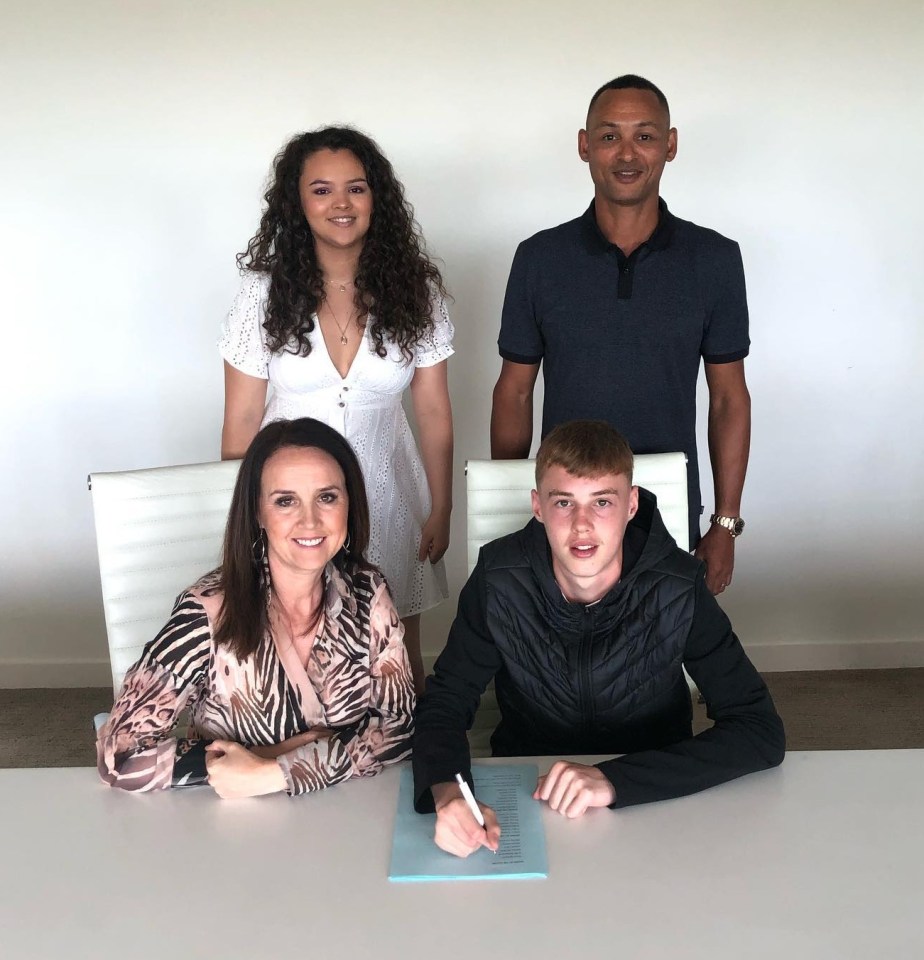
pixel 585 448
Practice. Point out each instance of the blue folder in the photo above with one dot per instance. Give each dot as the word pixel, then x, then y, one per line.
pixel 507 789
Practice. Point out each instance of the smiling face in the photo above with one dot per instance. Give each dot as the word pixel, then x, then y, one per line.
pixel 585 519
pixel 336 198
pixel 626 144
pixel 304 510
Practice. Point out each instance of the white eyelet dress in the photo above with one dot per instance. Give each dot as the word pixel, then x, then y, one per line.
pixel 365 407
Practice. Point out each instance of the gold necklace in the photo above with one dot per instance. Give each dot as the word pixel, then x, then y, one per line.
pixel 344 339
pixel 342 284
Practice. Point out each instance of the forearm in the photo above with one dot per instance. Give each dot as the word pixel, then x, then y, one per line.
pixel 140 770
pixel 446 711
pixel 445 714
pixel 356 752
pixel 236 437
pixel 441 751
pixel 383 734
pixel 730 749
pixel 135 749
pixel 511 423
pixel 433 412
pixel 729 446
pixel 436 451
pixel 245 399
pixel 747 734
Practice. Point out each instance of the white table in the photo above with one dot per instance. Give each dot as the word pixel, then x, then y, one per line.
pixel 821 858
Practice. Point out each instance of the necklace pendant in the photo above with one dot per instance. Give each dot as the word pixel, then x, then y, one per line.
pixel 343 288
pixel 343 338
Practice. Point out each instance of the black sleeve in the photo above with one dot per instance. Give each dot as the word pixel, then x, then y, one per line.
pixel 447 708
pixel 747 734
pixel 189 769
pixel 726 337
pixel 520 338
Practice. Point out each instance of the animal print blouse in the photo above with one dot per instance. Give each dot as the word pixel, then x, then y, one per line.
pixel 357 683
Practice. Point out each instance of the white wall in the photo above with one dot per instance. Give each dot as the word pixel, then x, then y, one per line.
pixel 136 141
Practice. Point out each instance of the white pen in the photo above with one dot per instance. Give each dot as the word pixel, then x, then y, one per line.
pixel 469 799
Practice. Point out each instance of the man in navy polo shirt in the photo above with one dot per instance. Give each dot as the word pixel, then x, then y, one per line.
pixel 619 305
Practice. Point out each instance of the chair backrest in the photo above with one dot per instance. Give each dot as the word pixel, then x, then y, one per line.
pixel 157 532
pixel 499 496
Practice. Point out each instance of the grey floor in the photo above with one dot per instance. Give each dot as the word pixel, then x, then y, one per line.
pixel 822 710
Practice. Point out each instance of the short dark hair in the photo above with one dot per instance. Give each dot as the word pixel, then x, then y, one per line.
pixel 631 81
pixel 242 621
pixel 585 448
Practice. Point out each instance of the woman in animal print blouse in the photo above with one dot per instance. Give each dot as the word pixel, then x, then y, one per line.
pixel 289 657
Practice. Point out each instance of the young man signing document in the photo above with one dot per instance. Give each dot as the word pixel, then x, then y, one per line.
pixel 585 619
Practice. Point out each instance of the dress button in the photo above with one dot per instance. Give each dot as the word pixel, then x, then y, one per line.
pixel 341 404
pixel 345 389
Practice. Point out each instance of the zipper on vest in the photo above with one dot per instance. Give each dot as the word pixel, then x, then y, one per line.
pixel 587 700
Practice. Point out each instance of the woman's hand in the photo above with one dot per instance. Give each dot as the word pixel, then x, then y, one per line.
pixel 293 743
pixel 235 772
pixel 434 537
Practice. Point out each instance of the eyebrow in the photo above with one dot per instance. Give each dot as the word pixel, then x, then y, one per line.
pixel 616 123
pixel 293 493
pixel 597 493
pixel 354 180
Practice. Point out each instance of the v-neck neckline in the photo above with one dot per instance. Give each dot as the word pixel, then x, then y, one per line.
pixel 298 675
pixel 342 377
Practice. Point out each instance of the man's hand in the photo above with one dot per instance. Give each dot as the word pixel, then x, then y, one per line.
pixel 573 788
pixel 457 831
pixel 235 772
pixel 717 550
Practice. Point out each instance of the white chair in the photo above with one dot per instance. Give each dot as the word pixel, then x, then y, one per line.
pixel 499 502
pixel 157 531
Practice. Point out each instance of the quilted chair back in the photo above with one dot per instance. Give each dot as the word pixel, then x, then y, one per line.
pixel 157 532
pixel 499 496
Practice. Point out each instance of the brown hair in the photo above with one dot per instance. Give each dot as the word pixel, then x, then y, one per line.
pixel 396 279
pixel 585 448
pixel 242 620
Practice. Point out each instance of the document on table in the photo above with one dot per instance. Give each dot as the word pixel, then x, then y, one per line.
pixel 507 789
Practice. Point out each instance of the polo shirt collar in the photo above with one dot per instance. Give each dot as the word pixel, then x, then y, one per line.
pixel 659 240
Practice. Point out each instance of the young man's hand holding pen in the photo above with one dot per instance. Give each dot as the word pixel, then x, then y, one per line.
pixel 457 828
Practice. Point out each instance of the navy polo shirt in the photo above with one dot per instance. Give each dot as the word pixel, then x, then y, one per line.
pixel 620 338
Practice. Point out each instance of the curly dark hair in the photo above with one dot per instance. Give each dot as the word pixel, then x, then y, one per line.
pixel 395 277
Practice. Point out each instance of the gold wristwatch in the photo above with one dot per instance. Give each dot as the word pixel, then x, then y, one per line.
pixel 734 525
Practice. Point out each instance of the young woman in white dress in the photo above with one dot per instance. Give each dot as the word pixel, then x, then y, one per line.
pixel 340 310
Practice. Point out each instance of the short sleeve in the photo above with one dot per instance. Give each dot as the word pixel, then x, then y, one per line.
pixel 436 344
pixel 726 338
pixel 242 343
pixel 520 338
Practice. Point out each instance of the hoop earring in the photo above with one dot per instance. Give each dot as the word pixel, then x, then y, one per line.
pixel 258 548
pixel 346 544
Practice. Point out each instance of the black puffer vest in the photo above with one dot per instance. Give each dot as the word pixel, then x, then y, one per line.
pixel 605 678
